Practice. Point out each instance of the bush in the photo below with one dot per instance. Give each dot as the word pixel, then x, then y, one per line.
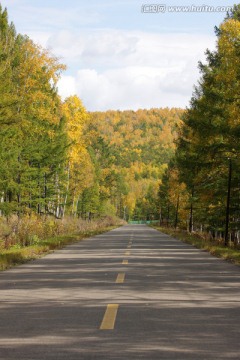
pixel 31 229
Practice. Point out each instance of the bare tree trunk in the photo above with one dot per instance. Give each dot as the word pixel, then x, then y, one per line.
pixel 176 215
pixel 191 214
pixel 67 190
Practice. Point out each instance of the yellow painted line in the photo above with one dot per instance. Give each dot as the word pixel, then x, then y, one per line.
pixel 109 317
pixel 125 262
pixel 120 278
pixel 127 253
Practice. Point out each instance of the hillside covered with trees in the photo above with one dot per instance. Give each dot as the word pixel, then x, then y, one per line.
pixel 131 151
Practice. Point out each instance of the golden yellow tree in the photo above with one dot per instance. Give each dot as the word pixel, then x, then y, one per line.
pixel 79 167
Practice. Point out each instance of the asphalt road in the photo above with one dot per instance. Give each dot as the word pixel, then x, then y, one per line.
pixel 132 293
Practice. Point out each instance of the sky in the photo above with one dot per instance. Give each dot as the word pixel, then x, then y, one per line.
pixel 123 54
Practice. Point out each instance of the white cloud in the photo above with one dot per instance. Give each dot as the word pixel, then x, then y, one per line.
pixel 115 47
pixel 110 66
pixel 67 86
pixel 129 70
pixel 94 48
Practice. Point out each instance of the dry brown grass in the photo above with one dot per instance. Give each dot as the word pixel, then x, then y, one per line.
pixel 31 237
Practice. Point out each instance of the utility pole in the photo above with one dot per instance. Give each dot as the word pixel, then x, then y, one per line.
pixel 228 201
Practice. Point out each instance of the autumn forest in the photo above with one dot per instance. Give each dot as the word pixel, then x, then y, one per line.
pixel 177 166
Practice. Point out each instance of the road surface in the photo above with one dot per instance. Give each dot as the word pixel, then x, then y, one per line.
pixel 131 293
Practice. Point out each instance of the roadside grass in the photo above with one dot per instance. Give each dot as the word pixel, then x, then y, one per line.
pixel 199 241
pixel 17 254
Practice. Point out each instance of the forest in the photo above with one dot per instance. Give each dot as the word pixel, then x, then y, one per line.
pixel 200 189
pixel 58 159
pixel 179 166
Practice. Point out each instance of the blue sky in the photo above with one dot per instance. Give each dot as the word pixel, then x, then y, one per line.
pixel 117 56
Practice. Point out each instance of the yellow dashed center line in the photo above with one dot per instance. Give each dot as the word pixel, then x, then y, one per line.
pixel 120 278
pixel 109 318
pixel 110 315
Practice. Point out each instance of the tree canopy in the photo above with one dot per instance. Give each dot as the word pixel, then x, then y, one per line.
pixel 180 165
pixel 208 148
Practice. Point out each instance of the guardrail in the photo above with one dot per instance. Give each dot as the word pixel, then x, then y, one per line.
pixel 135 222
